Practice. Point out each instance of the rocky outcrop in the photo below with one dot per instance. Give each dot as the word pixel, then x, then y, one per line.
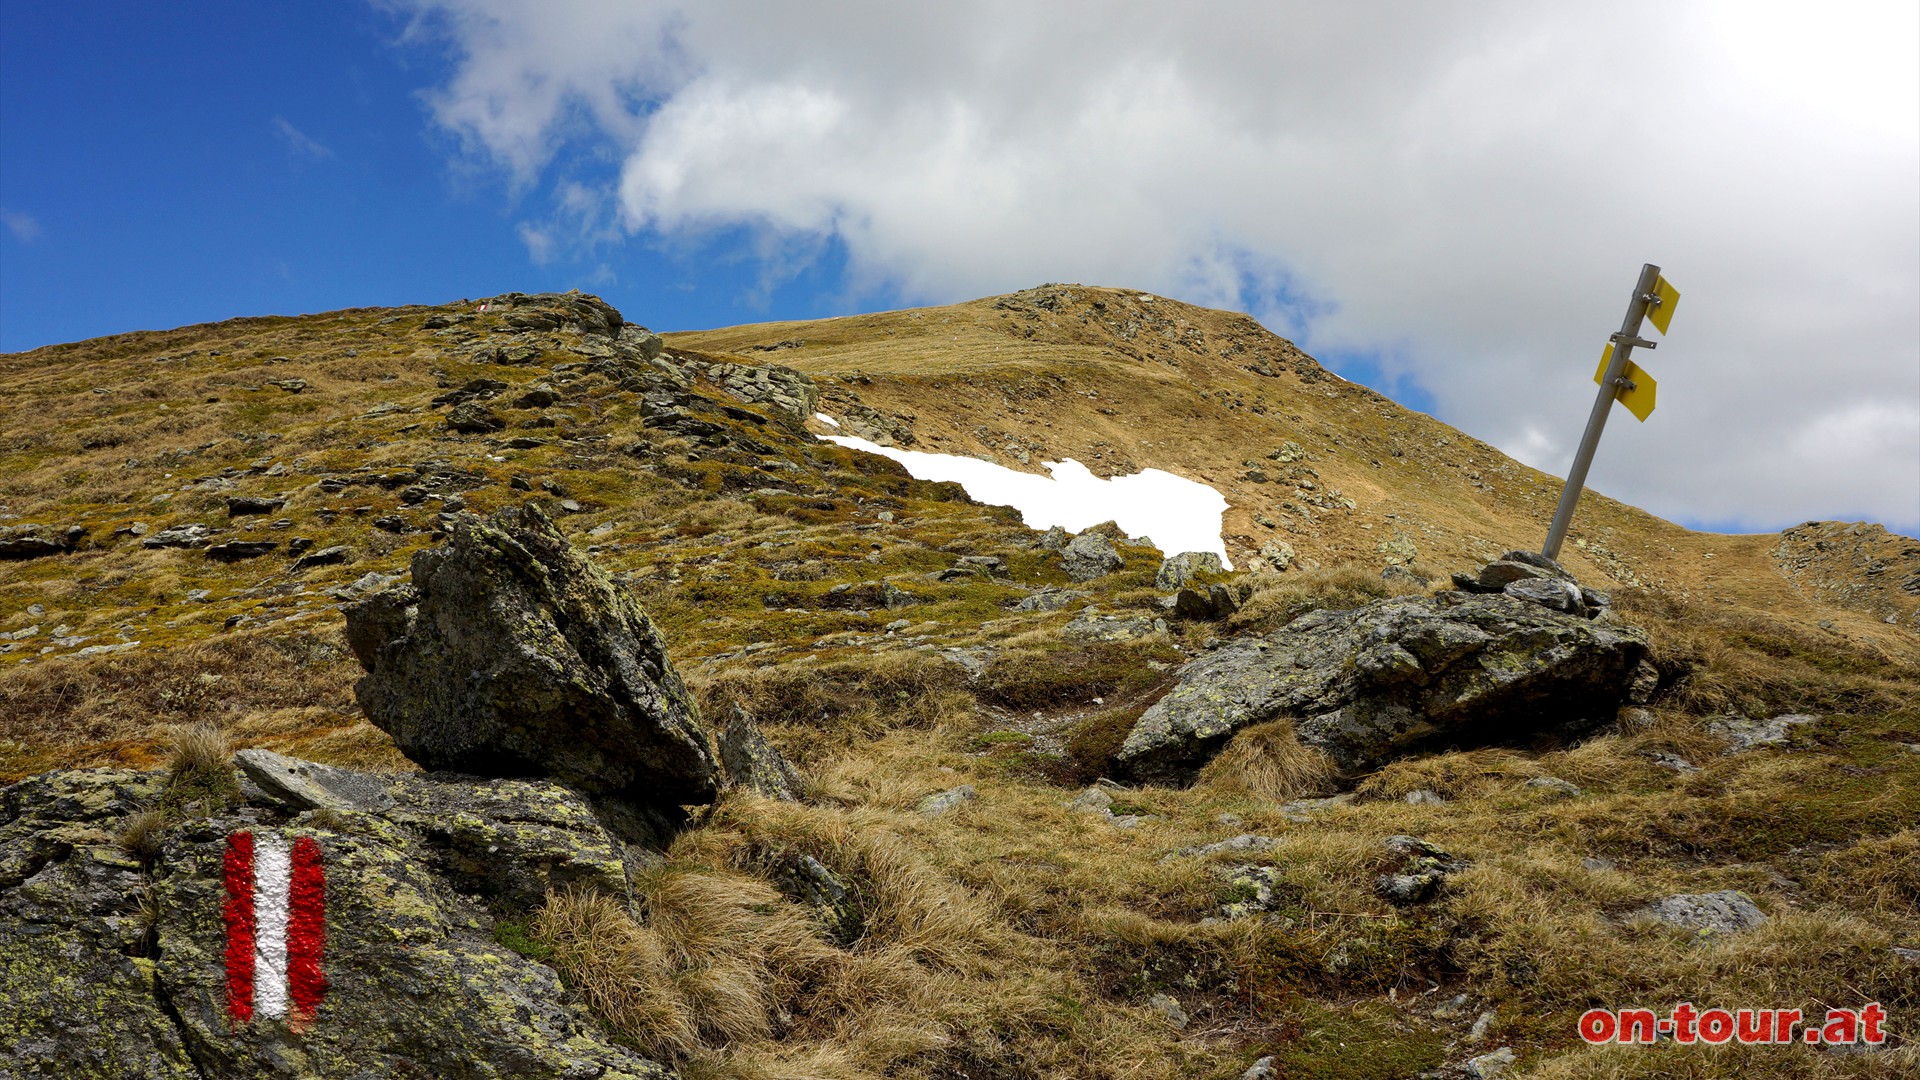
pixel 780 389
pixel 512 655
pixel 1371 683
pixel 114 964
pixel 34 541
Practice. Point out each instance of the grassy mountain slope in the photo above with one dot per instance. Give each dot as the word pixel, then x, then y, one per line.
pixel 1017 937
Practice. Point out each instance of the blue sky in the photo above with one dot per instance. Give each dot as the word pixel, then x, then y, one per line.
pixel 159 170
pixel 1447 201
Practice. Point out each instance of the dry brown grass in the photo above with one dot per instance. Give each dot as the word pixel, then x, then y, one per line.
pixel 1278 599
pixel 1268 761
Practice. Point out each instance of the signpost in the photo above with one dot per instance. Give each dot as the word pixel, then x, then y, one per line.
pixel 1620 379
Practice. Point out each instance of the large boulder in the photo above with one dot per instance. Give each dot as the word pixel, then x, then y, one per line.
pixel 1368 684
pixel 112 965
pixel 512 655
pixel 1090 555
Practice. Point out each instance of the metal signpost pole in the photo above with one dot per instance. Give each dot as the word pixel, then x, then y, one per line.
pixel 1623 345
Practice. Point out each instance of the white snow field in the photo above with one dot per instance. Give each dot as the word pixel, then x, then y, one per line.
pixel 1177 514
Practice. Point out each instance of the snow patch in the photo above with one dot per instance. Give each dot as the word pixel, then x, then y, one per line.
pixel 825 419
pixel 1176 513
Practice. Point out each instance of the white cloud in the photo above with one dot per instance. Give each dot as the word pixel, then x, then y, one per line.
pixel 25 227
pixel 299 143
pixel 1465 190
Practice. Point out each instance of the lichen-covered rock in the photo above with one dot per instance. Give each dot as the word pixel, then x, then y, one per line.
pixel 1178 570
pixel 416 985
pixel 1743 734
pixel 76 978
pixel 807 881
pixel 783 390
pixel 1090 555
pixel 110 968
pixel 751 763
pixel 1371 683
pixel 1707 915
pixel 509 841
pixel 513 655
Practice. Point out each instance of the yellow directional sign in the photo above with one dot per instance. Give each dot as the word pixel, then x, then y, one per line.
pixel 1638 400
pixel 1660 313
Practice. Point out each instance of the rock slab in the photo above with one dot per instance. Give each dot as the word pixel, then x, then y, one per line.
pixel 1368 684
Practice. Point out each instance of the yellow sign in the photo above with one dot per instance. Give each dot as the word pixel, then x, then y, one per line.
pixel 1660 312
pixel 1639 400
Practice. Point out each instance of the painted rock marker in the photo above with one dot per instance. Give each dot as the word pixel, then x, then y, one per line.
pixel 275 915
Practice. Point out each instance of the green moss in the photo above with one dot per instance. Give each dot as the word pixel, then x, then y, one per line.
pixel 1365 1042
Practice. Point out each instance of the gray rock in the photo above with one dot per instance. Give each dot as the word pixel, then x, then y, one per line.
pixel 1490 1066
pixel 1050 600
pixel 1548 592
pixel 326 556
pixel 1263 1069
pixel 1743 734
pixel 564 675
pixel 115 972
pixel 36 541
pixel 243 505
pixel 1167 1007
pixel 940 802
pixel 1301 811
pixel 1369 684
pixel 1706 914
pixel 1502 573
pixel 1425 867
pixel 1054 539
pixel 1177 570
pixel 782 390
pixel 473 418
pixel 1277 554
pixel 306 785
pixel 806 880
pixel 1090 555
pixel 1423 797
pixel 508 841
pixel 1672 761
pixel 1245 842
pixel 1555 785
pixel 1210 603
pixel 1091 625
pixel 752 763
pixel 1646 681
pixel 179 536
pixel 236 550
pixel 1093 800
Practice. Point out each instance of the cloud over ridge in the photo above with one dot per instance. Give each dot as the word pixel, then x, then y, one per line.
pixel 1460 193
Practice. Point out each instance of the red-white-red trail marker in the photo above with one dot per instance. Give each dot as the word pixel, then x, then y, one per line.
pixel 276 916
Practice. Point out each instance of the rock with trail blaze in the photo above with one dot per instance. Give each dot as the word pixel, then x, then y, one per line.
pixel 1369 684
pixel 111 967
pixel 513 655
